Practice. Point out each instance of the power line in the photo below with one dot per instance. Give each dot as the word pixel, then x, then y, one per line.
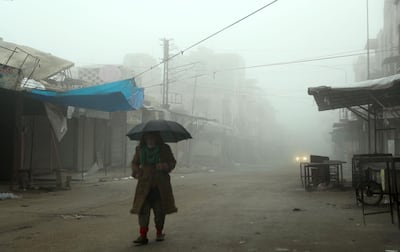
pixel 175 81
pixel 229 26
pixel 298 61
pixel 184 65
pixel 319 58
pixel 266 65
pixel 290 62
pixel 207 38
pixel 154 85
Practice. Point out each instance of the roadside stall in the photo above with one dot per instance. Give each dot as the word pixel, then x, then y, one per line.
pixel 375 144
pixel 321 172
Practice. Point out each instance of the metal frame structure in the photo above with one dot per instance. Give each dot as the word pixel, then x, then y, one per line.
pixel 335 167
pixel 391 165
pixel 373 101
pixel 27 55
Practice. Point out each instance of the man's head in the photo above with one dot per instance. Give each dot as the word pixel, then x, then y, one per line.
pixel 151 139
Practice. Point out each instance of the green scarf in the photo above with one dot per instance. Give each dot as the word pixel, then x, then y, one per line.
pixel 149 155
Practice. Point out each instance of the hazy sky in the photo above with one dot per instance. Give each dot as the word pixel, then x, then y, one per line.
pixel 103 31
pixel 97 31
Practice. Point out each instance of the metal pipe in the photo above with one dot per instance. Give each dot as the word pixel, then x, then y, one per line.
pixel 375 131
pixel 358 113
pixel 11 55
pixel 31 150
pixel 83 147
pixel 368 58
pixel 369 129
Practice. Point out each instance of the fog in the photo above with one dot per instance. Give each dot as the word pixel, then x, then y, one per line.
pixel 104 32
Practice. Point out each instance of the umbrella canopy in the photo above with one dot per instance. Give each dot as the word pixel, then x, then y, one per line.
pixel 170 131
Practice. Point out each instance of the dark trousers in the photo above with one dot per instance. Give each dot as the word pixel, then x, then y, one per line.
pixel 153 201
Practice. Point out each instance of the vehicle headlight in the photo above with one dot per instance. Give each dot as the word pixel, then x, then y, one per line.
pixel 301 158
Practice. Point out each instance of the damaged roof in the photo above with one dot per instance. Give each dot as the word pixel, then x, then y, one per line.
pixel 40 65
pixel 384 91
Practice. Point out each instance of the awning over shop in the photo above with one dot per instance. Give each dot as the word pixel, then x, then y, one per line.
pixel 384 91
pixel 120 95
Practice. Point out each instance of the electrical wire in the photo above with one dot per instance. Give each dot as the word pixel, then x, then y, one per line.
pixel 333 56
pixel 319 58
pixel 229 26
pixel 292 62
pixel 206 38
pixel 262 65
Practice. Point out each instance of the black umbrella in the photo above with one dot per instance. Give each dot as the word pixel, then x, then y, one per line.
pixel 170 131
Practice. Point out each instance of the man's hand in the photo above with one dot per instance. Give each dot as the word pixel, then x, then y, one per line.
pixel 162 167
pixel 137 173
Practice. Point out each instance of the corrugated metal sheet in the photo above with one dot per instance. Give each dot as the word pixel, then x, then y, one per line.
pixel 384 91
pixel 40 64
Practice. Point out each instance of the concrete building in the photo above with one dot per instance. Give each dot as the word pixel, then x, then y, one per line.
pixel 384 48
pixel 369 122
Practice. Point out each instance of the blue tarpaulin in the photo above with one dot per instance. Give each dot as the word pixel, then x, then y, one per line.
pixel 120 95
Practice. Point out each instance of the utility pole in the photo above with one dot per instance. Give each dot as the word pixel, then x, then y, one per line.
pixel 165 74
pixel 368 77
pixel 368 46
pixel 189 155
pixel 194 94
